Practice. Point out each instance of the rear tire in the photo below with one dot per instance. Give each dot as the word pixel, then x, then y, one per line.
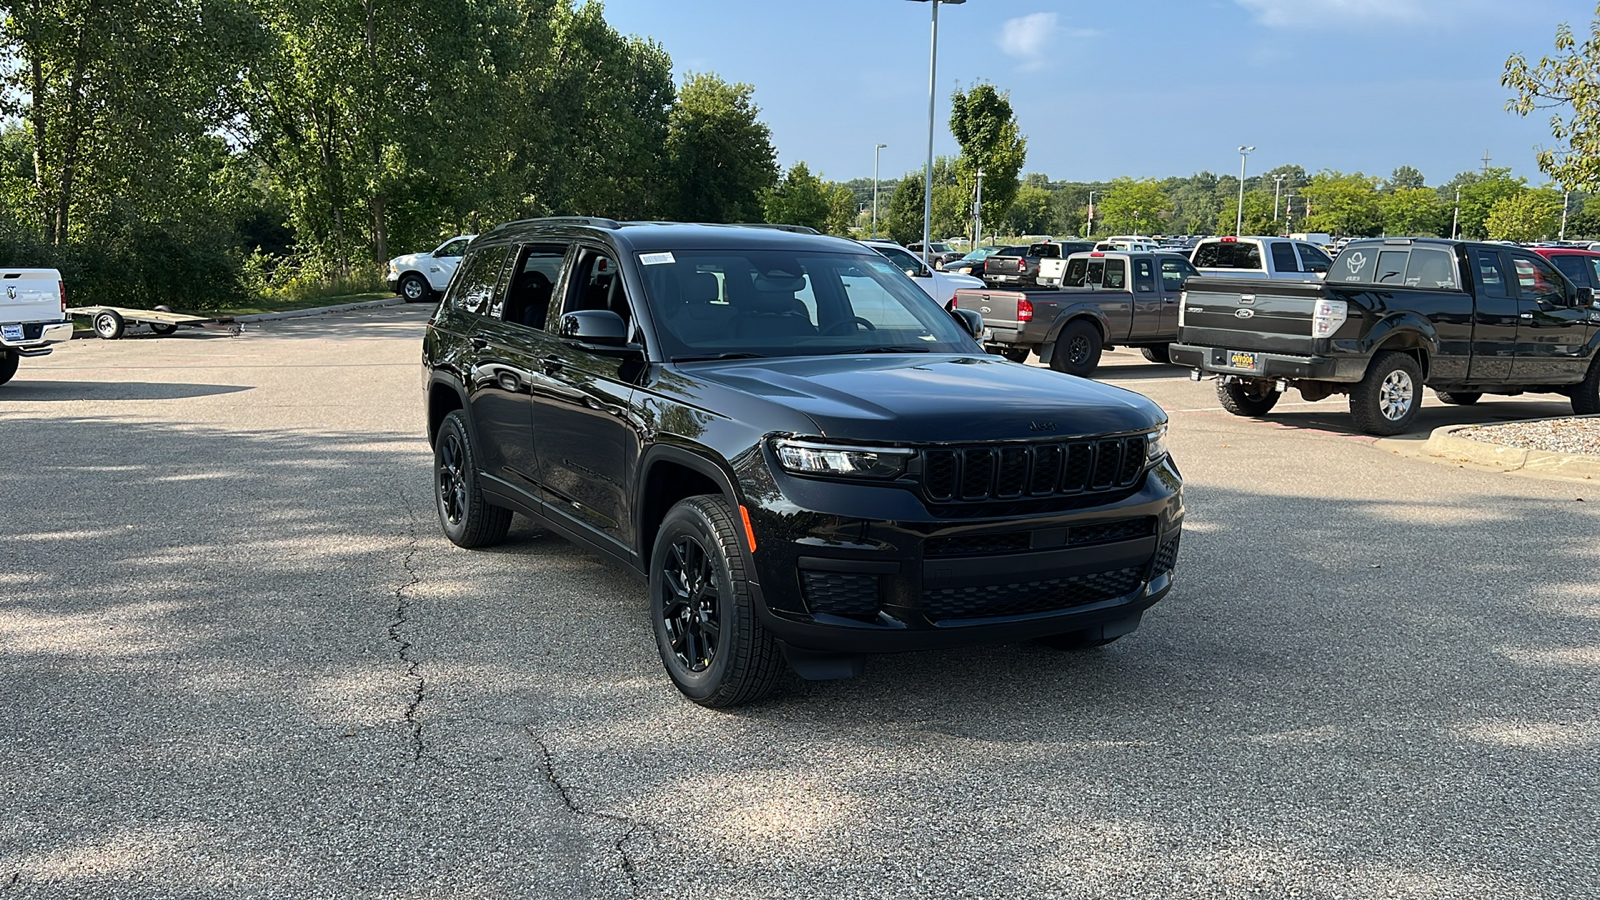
pixel 711 640
pixel 1586 394
pixel 1459 398
pixel 1077 349
pixel 108 324
pixel 159 328
pixel 8 364
pixel 467 518
pixel 1386 400
pixel 1160 353
pixel 1249 400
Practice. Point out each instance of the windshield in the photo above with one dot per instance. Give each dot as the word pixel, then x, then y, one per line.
pixel 982 253
pixel 711 304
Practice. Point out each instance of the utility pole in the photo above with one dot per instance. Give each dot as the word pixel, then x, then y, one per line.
pixel 1244 154
pixel 1486 163
pixel 977 214
pixel 1564 196
pixel 875 188
pixel 1455 220
pixel 1088 227
pixel 1277 186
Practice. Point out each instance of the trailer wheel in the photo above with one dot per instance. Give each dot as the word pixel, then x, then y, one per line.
pixel 160 328
pixel 8 364
pixel 108 324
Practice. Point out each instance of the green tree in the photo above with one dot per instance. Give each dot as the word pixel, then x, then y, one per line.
pixel 985 126
pixel 1480 193
pixel 1566 81
pixel 1257 214
pixel 1404 177
pixel 799 198
pixel 1341 204
pixel 719 151
pixel 1411 211
pixel 1525 216
pixel 1031 212
pixel 1196 203
pixel 951 205
pixel 1130 206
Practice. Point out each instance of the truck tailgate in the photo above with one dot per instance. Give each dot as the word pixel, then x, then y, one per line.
pixel 30 295
pixel 1250 314
pixel 998 308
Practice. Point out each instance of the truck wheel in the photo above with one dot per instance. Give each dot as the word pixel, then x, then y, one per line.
pixel 1459 398
pixel 159 328
pixel 1016 354
pixel 1077 349
pixel 414 288
pixel 467 518
pixel 8 364
pixel 1386 400
pixel 711 641
pixel 1586 393
pixel 1160 353
pixel 108 324
pixel 1249 399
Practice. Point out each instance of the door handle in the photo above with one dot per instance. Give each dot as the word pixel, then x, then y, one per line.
pixel 1525 316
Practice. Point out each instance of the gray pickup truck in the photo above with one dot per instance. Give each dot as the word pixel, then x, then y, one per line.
pixel 1108 299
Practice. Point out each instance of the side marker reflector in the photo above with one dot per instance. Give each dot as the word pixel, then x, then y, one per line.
pixel 749 533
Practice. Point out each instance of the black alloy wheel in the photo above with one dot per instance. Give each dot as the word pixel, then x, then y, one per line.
pixel 711 641
pixel 466 517
pixel 1077 349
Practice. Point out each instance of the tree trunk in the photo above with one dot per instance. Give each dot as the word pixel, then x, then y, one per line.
pixel 73 134
pixel 380 225
pixel 39 102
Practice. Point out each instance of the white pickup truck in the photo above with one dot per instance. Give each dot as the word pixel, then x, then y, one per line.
pixel 33 315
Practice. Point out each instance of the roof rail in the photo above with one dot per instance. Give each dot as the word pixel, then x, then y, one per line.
pixel 793 229
pixel 592 221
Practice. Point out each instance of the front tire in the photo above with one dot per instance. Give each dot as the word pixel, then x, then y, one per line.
pixel 1586 393
pixel 1251 400
pixel 711 641
pixel 1386 400
pixel 1459 398
pixel 9 359
pixel 467 518
pixel 413 288
pixel 1077 349
pixel 108 324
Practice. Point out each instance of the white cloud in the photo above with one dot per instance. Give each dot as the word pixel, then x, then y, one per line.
pixel 1035 39
pixel 1344 13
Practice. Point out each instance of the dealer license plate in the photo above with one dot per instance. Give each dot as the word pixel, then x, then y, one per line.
pixel 1239 359
pixel 12 332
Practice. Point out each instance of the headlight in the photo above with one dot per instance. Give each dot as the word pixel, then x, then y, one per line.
pixel 1155 445
pixel 814 458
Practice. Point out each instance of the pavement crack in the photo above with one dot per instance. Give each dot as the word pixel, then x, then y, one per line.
pixel 631 827
pixel 402 618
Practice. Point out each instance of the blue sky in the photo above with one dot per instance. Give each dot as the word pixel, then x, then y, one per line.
pixel 1152 88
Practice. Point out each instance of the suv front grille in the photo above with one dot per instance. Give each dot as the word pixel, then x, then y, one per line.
pixel 1023 598
pixel 979 474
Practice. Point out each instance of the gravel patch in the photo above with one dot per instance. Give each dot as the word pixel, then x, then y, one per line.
pixel 1575 435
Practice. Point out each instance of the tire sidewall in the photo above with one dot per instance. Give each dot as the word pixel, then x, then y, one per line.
pixel 9 361
pixel 409 279
pixel 687 519
pixel 1061 360
pixel 452 426
pixel 1371 417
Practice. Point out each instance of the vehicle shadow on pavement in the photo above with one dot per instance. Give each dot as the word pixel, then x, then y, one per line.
pixel 1333 415
pixel 36 391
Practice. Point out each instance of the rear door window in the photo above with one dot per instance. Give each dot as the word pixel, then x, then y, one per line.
pixel 1077 270
pixel 1492 273
pixel 1430 268
pixel 1116 274
pixel 1283 258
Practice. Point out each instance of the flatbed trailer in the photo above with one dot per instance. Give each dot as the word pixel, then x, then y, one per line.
pixel 110 321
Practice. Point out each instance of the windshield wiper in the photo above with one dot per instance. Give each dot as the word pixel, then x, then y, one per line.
pixel 737 355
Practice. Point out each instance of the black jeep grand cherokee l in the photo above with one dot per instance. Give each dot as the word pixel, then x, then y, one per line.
pixel 804 456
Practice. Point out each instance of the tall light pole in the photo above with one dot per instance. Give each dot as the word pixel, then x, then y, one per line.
pixel 1564 197
pixel 977 214
pixel 1455 219
pixel 927 181
pixel 875 188
pixel 1088 228
pixel 1288 213
pixel 1277 186
pixel 1238 226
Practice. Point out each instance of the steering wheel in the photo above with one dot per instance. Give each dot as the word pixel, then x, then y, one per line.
pixel 839 326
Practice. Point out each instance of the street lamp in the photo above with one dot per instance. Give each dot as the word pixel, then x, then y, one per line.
pixel 1088 227
pixel 1277 186
pixel 1455 219
pixel 875 188
pixel 977 214
pixel 933 70
pixel 1565 195
pixel 1244 154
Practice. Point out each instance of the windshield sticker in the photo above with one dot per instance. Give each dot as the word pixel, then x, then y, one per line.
pixel 655 259
pixel 1355 261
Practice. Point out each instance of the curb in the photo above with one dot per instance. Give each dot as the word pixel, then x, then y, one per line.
pixel 317 311
pixel 1443 442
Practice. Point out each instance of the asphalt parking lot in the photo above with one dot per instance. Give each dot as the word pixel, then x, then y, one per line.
pixel 239 660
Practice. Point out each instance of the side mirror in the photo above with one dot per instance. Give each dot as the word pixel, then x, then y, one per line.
pixel 594 329
pixel 971 320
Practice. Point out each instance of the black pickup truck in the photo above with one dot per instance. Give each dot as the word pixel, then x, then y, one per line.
pixel 1108 299
pixel 1019 266
pixel 1463 318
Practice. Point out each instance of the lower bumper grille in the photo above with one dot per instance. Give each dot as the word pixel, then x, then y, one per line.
pixel 1023 598
pixel 840 594
pixel 1167 556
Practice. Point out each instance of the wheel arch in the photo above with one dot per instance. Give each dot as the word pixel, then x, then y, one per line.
pixel 1407 333
pixel 445 396
pixel 667 475
pixel 1093 314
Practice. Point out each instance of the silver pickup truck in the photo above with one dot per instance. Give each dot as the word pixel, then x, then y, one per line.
pixel 33 315
pixel 1109 299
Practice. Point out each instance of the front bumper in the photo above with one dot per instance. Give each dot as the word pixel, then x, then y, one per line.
pixel 1269 365
pixel 34 338
pixel 902 580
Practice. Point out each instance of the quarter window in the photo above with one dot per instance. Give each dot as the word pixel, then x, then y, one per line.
pixel 1492 273
pixel 1144 276
pixel 527 297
